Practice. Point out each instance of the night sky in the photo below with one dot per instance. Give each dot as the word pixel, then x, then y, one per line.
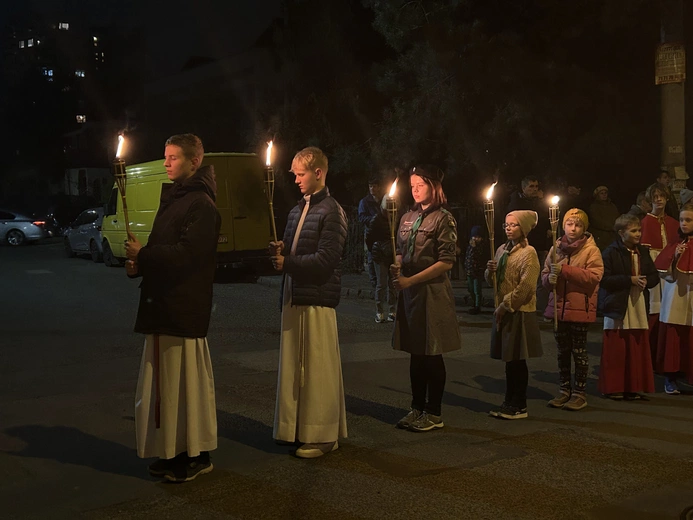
pixel 176 29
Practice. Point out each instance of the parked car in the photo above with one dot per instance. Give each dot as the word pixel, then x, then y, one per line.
pixel 84 235
pixel 17 229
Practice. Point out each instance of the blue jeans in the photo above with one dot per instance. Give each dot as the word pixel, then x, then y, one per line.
pixel 474 286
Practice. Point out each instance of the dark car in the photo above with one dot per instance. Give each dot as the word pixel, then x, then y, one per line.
pixel 84 235
pixel 17 229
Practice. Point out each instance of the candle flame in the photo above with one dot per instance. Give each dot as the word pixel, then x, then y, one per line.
pixel 268 160
pixel 393 189
pixel 554 200
pixel 121 140
pixel 489 193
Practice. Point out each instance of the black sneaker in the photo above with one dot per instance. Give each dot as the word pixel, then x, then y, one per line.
pixel 513 412
pixel 188 468
pixel 496 411
pixel 159 467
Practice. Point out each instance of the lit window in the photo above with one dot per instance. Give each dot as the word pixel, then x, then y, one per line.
pixel 96 39
pixel 47 72
pixel 79 73
pixel 38 42
pixel 21 44
pixel 81 118
pixel 64 26
pixel 30 42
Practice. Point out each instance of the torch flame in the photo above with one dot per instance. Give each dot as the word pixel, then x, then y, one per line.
pixel 489 193
pixel 121 140
pixel 268 161
pixel 393 189
pixel 554 200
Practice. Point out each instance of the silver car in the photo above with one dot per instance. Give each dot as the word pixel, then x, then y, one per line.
pixel 17 229
pixel 84 235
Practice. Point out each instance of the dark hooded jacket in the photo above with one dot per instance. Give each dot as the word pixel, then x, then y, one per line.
pixel 179 261
pixel 615 284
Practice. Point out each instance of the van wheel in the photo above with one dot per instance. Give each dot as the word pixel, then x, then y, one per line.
pixel 108 258
pixel 96 255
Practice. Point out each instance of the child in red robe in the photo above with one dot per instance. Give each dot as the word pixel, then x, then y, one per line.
pixel 674 353
pixel 658 230
pixel 626 364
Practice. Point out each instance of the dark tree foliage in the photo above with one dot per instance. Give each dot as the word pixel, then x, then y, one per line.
pixel 554 89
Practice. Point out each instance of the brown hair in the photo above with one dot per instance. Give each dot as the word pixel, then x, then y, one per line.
pixel 431 175
pixel 688 206
pixel 652 190
pixel 189 143
pixel 625 221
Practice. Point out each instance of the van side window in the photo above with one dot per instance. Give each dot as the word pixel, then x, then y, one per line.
pixel 112 202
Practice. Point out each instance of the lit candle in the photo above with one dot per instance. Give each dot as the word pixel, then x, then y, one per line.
pixel 489 215
pixel 392 217
pixel 554 212
pixel 269 185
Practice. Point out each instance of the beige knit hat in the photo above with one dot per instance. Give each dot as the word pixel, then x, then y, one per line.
pixel 526 218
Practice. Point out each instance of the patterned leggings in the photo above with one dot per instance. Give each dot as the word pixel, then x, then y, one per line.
pixel 572 338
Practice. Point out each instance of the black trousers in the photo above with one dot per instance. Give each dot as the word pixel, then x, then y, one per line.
pixel 427 374
pixel 516 381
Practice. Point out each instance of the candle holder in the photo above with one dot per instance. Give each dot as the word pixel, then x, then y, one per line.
pixel 489 215
pixel 121 181
pixel 269 188
pixel 554 213
pixel 391 205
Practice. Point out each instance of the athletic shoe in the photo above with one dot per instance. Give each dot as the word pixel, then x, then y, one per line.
pixel 512 412
pixel 315 450
pixel 159 467
pixel 670 387
pixel 562 398
pixel 577 402
pixel 426 422
pixel 616 396
pixel 496 411
pixel 380 318
pixel 406 421
pixel 391 317
pixel 188 468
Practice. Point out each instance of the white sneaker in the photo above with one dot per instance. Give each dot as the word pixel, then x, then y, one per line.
pixel 315 450
pixel 380 318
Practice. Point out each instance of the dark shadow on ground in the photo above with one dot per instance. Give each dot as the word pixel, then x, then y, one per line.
pixel 72 446
pixel 494 385
pixel 245 430
pixel 449 399
pixel 382 412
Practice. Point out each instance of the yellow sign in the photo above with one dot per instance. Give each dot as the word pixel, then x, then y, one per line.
pixel 670 63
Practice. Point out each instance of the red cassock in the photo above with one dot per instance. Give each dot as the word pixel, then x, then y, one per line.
pixel 666 257
pixel 652 231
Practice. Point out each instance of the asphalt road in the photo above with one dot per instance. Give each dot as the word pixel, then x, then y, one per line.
pixel 68 370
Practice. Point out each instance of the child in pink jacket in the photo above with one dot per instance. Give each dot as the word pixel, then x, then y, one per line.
pixel 575 275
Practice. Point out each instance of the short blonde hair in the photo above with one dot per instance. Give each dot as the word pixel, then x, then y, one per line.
pixel 312 158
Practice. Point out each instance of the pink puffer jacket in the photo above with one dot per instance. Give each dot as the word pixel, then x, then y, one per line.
pixel 578 283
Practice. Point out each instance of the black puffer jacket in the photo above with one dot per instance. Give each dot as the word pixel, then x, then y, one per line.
pixel 314 268
pixel 615 285
pixel 178 263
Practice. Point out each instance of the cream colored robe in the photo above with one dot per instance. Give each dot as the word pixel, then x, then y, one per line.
pixel 310 404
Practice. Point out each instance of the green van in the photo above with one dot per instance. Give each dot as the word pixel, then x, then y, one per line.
pixel 241 201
